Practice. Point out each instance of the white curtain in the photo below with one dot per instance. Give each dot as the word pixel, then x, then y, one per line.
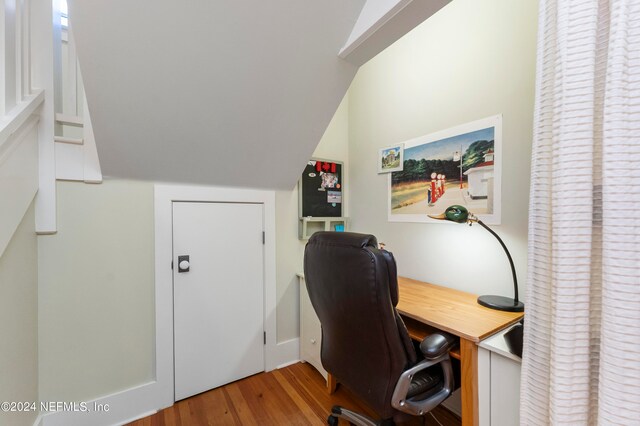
pixel 581 363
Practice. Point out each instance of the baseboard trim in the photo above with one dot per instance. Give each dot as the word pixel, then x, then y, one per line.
pixel 288 352
pixel 123 407
pixel 140 401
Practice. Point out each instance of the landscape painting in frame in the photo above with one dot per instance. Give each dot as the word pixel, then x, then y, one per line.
pixel 461 165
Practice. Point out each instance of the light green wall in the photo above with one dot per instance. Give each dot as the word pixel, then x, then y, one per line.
pixel 290 249
pixel 19 321
pixel 96 291
pixel 471 60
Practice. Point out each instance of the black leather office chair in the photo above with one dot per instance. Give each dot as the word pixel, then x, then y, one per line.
pixel 354 290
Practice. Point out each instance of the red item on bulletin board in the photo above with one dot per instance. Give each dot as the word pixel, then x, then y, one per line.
pixel 324 166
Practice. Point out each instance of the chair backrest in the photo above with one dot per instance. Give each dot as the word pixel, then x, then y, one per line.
pixel 353 288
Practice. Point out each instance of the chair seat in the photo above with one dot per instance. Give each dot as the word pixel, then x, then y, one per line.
pixel 425 380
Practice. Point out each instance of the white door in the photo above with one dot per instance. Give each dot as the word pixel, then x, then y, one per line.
pixel 219 300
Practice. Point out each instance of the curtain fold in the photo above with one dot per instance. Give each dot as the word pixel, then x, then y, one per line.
pixel 581 362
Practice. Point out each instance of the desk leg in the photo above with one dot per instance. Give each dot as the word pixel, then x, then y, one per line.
pixel 469 379
pixel 332 384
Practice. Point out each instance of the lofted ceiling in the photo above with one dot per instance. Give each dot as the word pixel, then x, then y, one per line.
pixel 223 92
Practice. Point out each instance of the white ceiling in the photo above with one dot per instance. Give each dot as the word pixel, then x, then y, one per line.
pixel 233 93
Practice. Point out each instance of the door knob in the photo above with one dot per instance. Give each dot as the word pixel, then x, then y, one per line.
pixel 183 263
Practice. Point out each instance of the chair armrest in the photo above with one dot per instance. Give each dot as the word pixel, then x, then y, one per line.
pixel 415 406
pixel 436 345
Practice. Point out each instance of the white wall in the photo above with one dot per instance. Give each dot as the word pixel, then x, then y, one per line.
pixel 19 321
pixel 471 60
pixel 290 249
pixel 96 314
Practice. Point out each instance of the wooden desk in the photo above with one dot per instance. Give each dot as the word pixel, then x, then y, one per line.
pixel 458 313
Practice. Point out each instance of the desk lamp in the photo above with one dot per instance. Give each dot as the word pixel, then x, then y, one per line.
pixel 460 214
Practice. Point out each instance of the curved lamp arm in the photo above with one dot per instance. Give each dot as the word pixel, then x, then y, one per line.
pixel 460 214
pixel 513 268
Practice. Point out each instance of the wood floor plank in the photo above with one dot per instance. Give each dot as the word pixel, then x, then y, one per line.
pixel 285 402
pixel 297 398
pixel 262 400
pixel 313 381
pixel 305 394
pixel 340 397
pixel 234 397
pixel 167 417
pixel 294 395
pixel 184 412
pixel 214 408
pixel 253 398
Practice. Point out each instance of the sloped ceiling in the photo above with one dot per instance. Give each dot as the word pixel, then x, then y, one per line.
pixel 220 92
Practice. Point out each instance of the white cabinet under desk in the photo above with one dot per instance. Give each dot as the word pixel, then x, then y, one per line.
pixel 310 330
pixel 498 382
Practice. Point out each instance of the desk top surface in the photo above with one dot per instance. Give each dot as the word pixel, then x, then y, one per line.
pixel 453 311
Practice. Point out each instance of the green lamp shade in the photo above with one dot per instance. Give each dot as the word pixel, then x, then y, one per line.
pixel 455 213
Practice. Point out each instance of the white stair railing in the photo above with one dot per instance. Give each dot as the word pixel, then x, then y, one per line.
pixel 76 153
pixel 21 112
pixel 69 120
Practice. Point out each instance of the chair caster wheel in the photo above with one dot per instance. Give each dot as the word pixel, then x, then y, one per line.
pixel 332 421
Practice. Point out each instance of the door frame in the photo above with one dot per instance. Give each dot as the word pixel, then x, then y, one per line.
pixel 164 196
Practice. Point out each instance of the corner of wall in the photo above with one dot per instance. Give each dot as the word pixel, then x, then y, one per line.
pixel 334 145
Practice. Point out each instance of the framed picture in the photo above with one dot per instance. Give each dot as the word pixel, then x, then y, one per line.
pixel 461 165
pixel 390 159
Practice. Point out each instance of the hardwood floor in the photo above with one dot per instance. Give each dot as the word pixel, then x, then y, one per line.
pixel 294 395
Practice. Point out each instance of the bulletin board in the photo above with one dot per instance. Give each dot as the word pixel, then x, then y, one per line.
pixel 321 189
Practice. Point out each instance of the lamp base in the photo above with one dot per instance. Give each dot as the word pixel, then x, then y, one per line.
pixel 501 303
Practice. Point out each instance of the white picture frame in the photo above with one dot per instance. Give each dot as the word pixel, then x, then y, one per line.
pixel 391 158
pixel 412 195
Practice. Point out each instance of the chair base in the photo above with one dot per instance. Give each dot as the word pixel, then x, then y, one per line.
pixel 354 418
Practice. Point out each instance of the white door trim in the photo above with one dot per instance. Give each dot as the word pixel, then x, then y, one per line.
pixel 164 196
